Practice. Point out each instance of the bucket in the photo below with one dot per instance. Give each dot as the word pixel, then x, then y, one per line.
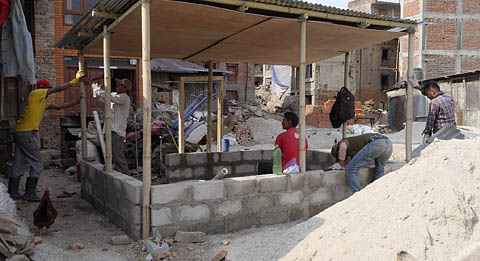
pixel 225 144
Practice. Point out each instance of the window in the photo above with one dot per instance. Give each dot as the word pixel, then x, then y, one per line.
pixel 73 10
pixel 384 82
pixel 384 54
pixel 233 75
pixel 308 73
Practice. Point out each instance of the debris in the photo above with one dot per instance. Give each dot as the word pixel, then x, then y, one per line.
pixel 220 256
pixel 226 242
pixel 174 254
pixel 190 248
pixel 190 237
pixel 18 258
pixel 104 249
pixel 66 194
pixel 405 256
pixel 8 226
pixel 36 257
pixel 149 257
pixel 77 246
pixel 169 241
pixel 37 240
pixel 158 237
pixel 120 240
pixel 244 134
pixel 155 250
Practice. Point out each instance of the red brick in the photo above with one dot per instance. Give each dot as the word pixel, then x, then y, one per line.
pixel 441 6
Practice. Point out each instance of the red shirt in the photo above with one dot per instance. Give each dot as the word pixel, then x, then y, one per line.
pixel 288 141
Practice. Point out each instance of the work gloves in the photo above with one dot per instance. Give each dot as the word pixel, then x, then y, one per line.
pixel 426 139
pixel 78 76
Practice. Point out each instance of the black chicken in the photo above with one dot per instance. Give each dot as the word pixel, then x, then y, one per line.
pixel 45 214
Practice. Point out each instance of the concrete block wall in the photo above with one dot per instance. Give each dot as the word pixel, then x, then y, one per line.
pixel 233 204
pixel 195 166
pixel 117 196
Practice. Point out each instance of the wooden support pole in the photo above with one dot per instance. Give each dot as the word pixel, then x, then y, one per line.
pixel 409 116
pixel 346 71
pixel 209 107
pixel 220 116
pixel 147 120
pixel 83 106
pixel 108 98
pixel 301 88
pixel 181 116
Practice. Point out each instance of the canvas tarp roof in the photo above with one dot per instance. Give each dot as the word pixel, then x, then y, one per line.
pixel 197 32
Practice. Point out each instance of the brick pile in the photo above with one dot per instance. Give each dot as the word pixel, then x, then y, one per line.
pixel 244 134
pixel 319 116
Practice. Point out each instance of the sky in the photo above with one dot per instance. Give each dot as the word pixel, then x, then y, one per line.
pixel 339 3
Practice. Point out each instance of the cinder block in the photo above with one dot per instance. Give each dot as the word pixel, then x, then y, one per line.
pixel 110 181
pixel 296 214
pixel 267 154
pixel 272 183
pixel 321 196
pixel 208 190
pixel 341 192
pixel 187 173
pixel 161 217
pixel 227 208
pixel 114 217
pixel 188 213
pixel 241 222
pixel 170 230
pixel 133 213
pixel 118 187
pixel 257 203
pixel 296 181
pixel 250 155
pixel 134 231
pixel 272 217
pixel 217 226
pixel 314 178
pixel 196 159
pixel 230 156
pixel 172 159
pixel 333 178
pixel 168 193
pixel 245 169
pixel 190 237
pixel 315 209
pixel 133 190
pixel 236 187
pixel 200 172
pixel 293 198
pixel 174 175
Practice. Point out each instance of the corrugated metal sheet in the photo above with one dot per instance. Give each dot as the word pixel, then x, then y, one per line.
pixel 94 25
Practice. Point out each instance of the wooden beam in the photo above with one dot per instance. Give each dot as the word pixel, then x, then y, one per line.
pixel 209 107
pixel 108 98
pixel 181 119
pixel 83 106
pixel 409 116
pixel 147 118
pixel 220 116
pixel 104 15
pixel 301 88
pixel 86 34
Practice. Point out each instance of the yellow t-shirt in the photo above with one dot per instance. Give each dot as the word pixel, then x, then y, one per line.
pixel 33 113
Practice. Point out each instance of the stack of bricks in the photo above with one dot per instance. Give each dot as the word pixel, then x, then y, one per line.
pixel 244 134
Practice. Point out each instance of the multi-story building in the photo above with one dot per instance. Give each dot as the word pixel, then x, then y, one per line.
pixel 448 40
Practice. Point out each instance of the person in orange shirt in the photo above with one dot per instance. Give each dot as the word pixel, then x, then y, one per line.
pixel 27 143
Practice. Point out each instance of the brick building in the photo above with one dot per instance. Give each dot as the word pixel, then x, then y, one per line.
pixel 448 41
pixel 48 21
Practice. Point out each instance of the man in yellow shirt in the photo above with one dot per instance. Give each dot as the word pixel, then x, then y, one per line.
pixel 27 143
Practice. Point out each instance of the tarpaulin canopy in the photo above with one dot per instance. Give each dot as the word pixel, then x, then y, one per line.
pixel 200 32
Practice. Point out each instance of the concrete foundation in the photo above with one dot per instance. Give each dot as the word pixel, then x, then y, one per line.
pixel 219 206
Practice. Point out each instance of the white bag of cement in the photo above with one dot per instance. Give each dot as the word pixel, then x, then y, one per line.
pixel 360 129
pixel 91 150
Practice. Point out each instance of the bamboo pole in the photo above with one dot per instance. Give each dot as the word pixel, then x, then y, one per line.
pixel 301 89
pixel 147 114
pixel 409 116
pixel 108 98
pixel 345 83
pixel 83 106
pixel 181 116
pixel 209 107
pixel 220 116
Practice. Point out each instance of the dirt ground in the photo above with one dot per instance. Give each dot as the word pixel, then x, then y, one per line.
pixel 78 222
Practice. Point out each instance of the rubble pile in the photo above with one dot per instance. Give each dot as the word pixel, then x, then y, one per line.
pixel 244 134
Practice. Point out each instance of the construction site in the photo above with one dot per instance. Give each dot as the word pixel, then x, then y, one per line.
pixel 239 130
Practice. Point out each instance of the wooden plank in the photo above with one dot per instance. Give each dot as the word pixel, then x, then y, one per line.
pixel 181 114
pixel 100 134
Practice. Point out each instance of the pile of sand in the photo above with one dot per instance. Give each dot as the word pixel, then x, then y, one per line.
pixel 428 209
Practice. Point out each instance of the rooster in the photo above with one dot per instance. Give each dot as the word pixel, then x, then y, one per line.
pixel 45 214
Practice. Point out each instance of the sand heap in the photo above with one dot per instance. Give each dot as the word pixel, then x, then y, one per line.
pixel 428 209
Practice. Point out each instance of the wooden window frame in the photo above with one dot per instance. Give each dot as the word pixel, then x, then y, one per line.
pixel 235 81
pixel 82 11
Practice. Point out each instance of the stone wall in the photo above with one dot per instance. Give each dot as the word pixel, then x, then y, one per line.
pixel 195 166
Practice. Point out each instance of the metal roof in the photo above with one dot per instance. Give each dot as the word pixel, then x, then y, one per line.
pixel 89 27
pixel 453 76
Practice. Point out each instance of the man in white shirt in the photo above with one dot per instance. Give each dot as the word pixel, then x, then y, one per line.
pixel 120 109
